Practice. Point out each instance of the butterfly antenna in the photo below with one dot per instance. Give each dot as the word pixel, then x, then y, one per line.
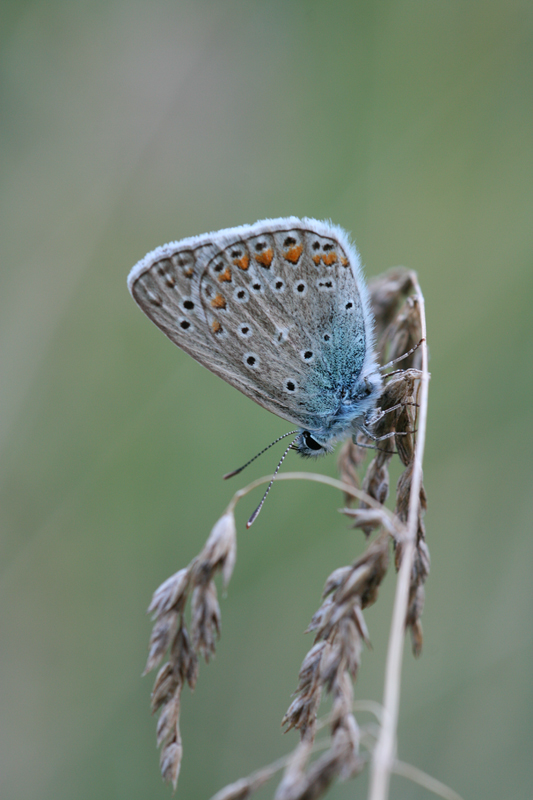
pixel 260 506
pixel 405 355
pixel 236 471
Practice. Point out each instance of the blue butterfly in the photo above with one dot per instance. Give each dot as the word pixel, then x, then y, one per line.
pixel 280 310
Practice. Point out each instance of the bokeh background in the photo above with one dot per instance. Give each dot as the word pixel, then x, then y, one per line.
pixel 128 124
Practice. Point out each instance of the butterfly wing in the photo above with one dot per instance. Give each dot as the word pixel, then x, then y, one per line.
pixel 278 309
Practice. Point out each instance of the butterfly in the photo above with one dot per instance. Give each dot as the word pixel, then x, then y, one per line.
pixel 278 309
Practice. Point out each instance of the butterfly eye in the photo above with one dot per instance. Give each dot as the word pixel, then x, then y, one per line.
pixel 311 443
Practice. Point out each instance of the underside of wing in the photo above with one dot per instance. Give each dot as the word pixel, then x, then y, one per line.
pixel 278 309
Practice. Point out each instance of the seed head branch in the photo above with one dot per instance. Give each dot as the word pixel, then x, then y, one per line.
pixel 385 751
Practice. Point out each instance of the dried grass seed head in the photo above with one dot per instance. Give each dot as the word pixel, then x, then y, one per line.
pixel 404 332
pixel 170 761
pixel 387 291
pixel 219 552
pixel 161 636
pixel 172 594
pixel 350 459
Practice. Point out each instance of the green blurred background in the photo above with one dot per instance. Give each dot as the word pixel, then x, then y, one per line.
pixel 125 125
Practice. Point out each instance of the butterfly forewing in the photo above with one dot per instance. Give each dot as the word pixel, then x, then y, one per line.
pixel 273 308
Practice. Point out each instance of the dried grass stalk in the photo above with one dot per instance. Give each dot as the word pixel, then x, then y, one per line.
pixel 340 632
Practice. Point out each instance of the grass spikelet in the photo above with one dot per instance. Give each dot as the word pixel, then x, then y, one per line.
pixel 332 663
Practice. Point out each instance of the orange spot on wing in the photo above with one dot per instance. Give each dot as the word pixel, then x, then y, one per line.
pixel 226 275
pixel 316 259
pixel 242 263
pixel 344 261
pixel 330 258
pixel 219 301
pixel 189 272
pixel 293 254
pixel 216 327
pixel 265 259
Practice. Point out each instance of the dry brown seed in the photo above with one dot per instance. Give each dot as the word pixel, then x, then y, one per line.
pixel 337 578
pixel 183 656
pixel 367 518
pixel 387 291
pixel 350 458
pixel 342 610
pixel 171 594
pixel 372 518
pixel 170 761
pixel 162 633
pixel 330 665
pixel 361 624
pixel 356 583
pixel 416 637
pixel 322 616
pixel 344 653
pixel 403 491
pixel 404 443
pixel 376 482
pixel 301 713
pixel 165 685
pixel 423 561
pixel 219 552
pixel 168 719
pixel 310 666
pixel 205 619
pixel 405 332
pixel 377 556
pixel 326 622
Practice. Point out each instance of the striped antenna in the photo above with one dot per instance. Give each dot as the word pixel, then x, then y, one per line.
pixel 236 471
pixel 260 506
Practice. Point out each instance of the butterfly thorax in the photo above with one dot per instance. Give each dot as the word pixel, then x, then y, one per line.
pixel 354 409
